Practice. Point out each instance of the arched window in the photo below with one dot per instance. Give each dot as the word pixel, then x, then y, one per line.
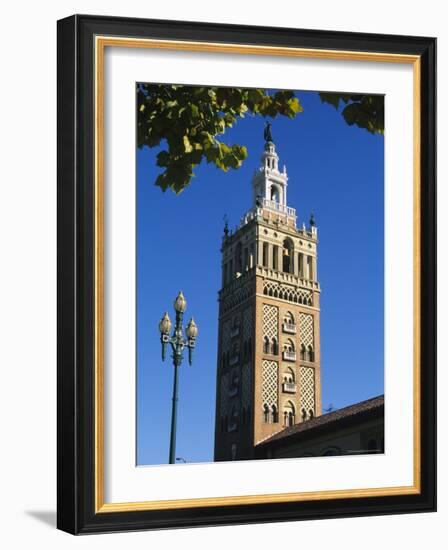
pixel 290 376
pixel 303 415
pixel 274 346
pixel 233 419
pixel 274 413
pixel 302 352
pixel 275 257
pixel 288 318
pixel 266 347
pixel 311 414
pixel 235 379
pixel 266 413
pixel 238 258
pixel 235 351
pixel 289 345
pixel 310 353
pixel 289 414
pixel 288 252
pixel 275 194
pixel 265 255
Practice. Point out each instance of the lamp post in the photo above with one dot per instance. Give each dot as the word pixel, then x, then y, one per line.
pixel 178 344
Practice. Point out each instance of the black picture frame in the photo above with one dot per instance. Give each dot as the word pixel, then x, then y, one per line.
pixel 76 286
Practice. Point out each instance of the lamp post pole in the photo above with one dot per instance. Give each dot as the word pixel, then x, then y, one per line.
pixel 174 417
pixel 178 343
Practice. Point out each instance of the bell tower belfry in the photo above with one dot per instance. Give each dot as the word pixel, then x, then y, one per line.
pixel 268 183
pixel 268 373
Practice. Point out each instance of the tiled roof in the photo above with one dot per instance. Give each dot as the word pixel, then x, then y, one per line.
pixel 368 407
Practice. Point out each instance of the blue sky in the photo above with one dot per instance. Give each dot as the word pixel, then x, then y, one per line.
pixel 335 170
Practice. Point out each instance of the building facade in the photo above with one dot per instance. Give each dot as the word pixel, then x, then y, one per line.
pixel 356 429
pixel 268 372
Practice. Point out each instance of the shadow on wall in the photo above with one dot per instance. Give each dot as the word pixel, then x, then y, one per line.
pixel 48 517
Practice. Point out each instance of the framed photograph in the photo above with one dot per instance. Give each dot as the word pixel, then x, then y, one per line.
pixel 246 274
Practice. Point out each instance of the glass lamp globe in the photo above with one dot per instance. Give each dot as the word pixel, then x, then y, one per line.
pixel 191 330
pixel 165 324
pixel 180 304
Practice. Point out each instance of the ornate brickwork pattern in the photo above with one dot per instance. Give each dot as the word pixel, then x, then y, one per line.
pixel 270 321
pixel 224 403
pixel 225 342
pixel 306 329
pixel 289 293
pixel 307 399
pixel 246 388
pixel 269 383
pixel 236 298
pixel 247 324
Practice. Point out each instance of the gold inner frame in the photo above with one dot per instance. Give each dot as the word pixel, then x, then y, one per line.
pixel 101 42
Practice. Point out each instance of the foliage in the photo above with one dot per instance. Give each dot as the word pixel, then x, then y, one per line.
pixel 189 119
pixel 366 111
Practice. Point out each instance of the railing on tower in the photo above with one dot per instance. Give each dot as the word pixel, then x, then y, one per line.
pixel 274 205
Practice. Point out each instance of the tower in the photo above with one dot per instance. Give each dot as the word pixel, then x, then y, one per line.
pixel 268 372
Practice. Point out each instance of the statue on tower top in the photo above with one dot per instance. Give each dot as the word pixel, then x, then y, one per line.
pixel 226 226
pixel 268 132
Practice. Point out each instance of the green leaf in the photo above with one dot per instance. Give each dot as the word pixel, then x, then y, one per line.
pixel 332 99
pixel 295 106
pixel 187 145
pixel 189 119
pixel 163 158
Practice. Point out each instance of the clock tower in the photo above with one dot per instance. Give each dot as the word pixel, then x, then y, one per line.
pixel 268 372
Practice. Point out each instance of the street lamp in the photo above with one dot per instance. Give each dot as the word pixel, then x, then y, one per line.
pixel 178 343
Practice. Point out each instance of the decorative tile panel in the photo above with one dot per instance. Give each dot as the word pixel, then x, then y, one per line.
pixel 307 390
pixel 270 321
pixel 306 330
pixel 269 384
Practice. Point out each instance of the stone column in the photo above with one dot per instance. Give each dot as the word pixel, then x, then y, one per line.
pixel 296 264
pixel 314 264
pixel 306 274
pixel 260 253
pixel 251 255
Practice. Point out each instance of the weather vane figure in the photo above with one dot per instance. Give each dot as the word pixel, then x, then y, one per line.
pixel 268 132
pixel 226 225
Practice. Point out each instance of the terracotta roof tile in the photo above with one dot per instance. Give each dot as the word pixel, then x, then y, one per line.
pixel 351 411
